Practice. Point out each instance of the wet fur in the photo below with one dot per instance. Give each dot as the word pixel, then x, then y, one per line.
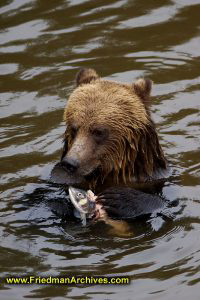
pixel 133 152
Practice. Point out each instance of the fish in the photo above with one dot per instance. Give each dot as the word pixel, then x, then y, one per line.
pixel 86 207
pixel 84 203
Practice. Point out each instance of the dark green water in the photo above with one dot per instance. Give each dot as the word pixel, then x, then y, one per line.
pixel 42 45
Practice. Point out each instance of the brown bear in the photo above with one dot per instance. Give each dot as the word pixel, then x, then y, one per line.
pixel 110 136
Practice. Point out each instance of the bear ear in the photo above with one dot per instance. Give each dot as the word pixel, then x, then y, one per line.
pixel 86 76
pixel 142 87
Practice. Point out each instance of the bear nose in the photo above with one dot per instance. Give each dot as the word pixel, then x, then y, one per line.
pixel 70 164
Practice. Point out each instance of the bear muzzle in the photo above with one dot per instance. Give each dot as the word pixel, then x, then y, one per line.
pixel 70 164
pixel 81 158
pixel 75 167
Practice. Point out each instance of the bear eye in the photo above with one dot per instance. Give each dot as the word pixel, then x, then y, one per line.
pixel 100 133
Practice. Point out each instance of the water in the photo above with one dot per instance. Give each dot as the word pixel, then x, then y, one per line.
pixel 42 45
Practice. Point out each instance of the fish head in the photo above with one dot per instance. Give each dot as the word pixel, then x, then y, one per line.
pixel 83 202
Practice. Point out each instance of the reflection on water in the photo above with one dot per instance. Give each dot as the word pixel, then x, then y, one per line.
pixel 42 45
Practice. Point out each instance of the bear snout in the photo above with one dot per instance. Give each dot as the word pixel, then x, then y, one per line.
pixel 70 164
pixel 81 158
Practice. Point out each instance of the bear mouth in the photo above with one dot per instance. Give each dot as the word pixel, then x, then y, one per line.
pixel 61 175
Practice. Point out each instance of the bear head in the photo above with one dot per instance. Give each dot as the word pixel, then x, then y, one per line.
pixel 110 133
